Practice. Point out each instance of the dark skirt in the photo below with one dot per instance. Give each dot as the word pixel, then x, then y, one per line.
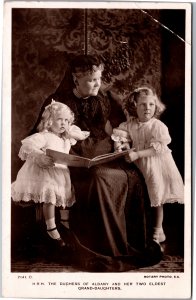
pixel 110 214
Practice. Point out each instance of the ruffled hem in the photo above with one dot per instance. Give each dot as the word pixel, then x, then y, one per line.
pixel 172 200
pixel 58 201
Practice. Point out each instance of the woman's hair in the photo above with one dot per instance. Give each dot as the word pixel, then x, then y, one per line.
pixel 51 112
pixel 82 65
pixel 146 91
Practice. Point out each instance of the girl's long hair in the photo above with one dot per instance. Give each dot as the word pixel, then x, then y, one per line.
pixel 146 91
pixel 50 113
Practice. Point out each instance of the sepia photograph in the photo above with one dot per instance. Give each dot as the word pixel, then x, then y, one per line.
pixel 96 135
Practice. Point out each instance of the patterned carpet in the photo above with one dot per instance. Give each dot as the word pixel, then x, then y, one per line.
pixel 35 258
pixel 30 254
pixel 169 264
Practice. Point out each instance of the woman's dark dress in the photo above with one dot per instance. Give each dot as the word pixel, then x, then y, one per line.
pixel 109 215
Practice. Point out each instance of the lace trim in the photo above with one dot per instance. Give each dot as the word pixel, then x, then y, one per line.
pixel 174 200
pixel 23 154
pixel 47 197
pixel 120 136
pixel 29 153
pixel 159 147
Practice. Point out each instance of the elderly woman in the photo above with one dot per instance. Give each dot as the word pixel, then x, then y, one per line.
pixel 109 216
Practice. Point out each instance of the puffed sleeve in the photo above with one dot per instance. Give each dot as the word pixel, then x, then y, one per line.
pixel 160 137
pixel 76 134
pixel 121 134
pixel 32 144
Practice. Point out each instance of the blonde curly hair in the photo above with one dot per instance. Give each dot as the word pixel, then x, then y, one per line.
pixel 51 112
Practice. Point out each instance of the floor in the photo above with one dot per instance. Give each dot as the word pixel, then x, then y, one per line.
pixel 29 255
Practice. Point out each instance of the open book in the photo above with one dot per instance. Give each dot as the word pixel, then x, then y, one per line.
pixel 79 161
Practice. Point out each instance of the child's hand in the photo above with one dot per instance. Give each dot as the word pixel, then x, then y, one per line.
pixel 44 161
pixel 133 155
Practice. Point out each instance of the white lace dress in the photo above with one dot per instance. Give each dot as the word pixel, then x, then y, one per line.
pixel 51 185
pixel 163 180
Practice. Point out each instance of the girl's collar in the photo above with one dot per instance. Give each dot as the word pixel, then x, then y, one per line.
pixel 143 123
pixel 48 131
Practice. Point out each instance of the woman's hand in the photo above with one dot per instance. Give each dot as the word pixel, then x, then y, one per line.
pixel 117 146
pixel 120 146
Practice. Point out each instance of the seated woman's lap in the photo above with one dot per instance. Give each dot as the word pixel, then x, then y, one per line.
pixel 102 217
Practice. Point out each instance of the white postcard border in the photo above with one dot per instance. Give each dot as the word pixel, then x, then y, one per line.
pixel 20 284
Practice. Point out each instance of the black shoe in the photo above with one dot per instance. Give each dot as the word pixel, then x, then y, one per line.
pixel 151 255
pixel 59 242
pixel 71 242
pixel 56 242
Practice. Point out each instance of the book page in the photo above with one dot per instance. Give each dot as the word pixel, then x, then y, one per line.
pixel 108 157
pixel 111 155
pixel 141 43
pixel 79 161
pixel 68 159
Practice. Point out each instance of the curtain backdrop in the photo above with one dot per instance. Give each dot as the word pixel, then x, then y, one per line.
pixel 43 41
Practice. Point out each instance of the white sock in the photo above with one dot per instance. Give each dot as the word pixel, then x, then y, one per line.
pixel 54 234
pixel 158 234
pixel 65 217
pixel 158 229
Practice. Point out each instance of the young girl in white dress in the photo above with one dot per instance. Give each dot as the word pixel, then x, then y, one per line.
pixel 39 179
pixel 151 154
